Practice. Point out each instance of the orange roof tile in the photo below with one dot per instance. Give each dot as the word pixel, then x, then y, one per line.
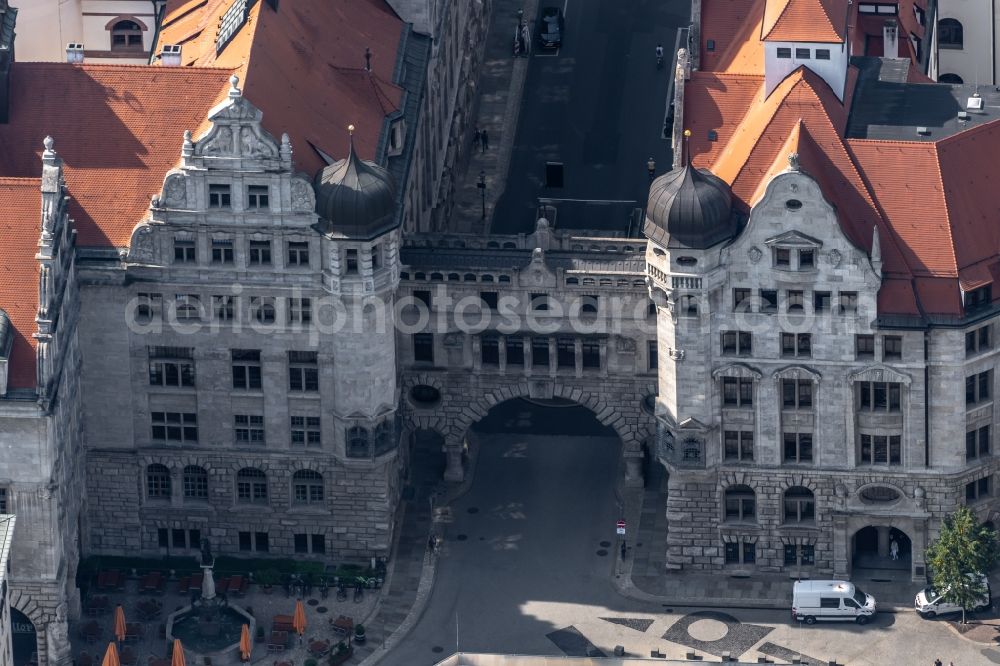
pixel 20 222
pixel 805 21
pixel 308 81
pixel 118 129
pixel 734 26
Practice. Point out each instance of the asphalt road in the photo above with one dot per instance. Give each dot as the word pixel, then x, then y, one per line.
pixel 597 105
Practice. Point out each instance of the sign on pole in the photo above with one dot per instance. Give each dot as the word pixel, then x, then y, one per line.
pixel 620 528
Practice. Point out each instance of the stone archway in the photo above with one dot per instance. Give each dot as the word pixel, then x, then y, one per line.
pixel 872 551
pixel 34 639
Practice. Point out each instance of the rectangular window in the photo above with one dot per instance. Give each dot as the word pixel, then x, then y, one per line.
pixel 301 542
pixel 979 489
pixel 489 299
pixel 262 309
pixel 749 552
pixel 515 350
pixel 738 445
pixel 739 343
pixel 588 304
pixel 352 261
pixel 737 392
pixel 174 426
pixel 258 198
pixel 848 302
pixel 590 350
pixel 768 300
pixel 892 347
pixel 184 251
pixel 797 447
pixel 978 340
pixel 170 372
pixel 802 54
pixel 864 346
pixel 222 250
pixel 539 302
pixel 260 253
pixel 261 542
pixel 490 350
pixel 299 310
pixel 796 393
pixel 147 304
pixel 796 344
pixel 741 300
pixel 303 371
pixel 566 353
pixel 652 354
pixel 978 387
pixel 791 555
pixel 246 543
pixel 318 544
pixel 821 301
pixel 219 196
pixel 784 52
pixel 305 431
pixel 248 428
pixel 187 307
pixel 822 54
pixel 163 537
pixel 4 501
pixel 194 538
pixel 424 296
pixel 794 301
pixel 978 298
pixel 222 308
pixel 246 369
pixel 540 352
pixel 782 257
pixel 179 537
pixel 879 396
pixel 881 450
pixel 298 253
pixel 732 553
pixel 423 347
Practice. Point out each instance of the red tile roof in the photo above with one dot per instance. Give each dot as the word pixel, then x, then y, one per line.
pixel 303 67
pixel 20 223
pixel 805 21
pixel 118 129
pixel 734 26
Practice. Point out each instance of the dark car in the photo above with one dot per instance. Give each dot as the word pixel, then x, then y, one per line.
pixel 550 28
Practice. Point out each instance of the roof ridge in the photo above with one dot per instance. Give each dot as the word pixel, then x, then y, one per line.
pixel 964 134
pixel 734 75
pixel 113 66
pixel 944 200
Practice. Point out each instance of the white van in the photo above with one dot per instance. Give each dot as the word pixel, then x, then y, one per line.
pixel 930 602
pixel 814 600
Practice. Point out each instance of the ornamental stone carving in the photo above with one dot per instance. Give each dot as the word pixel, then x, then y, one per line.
pixel 624 345
pixel 302 196
pixel 754 254
pixel 220 143
pixel 834 258
pixel 141 247
pixel 174 191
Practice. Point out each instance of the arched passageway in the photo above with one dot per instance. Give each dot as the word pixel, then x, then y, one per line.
pixel 23 638
pixel 873 549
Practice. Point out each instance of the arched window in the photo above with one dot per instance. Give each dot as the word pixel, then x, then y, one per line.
pixel 126 36
pixel 358 441
pixel 384 437
pixel 799 505
pixel 950 34
pixel 158 482
pixel 251 486
pixel 307 487
pixel 741 504
pixel 195 483
pixel 951 78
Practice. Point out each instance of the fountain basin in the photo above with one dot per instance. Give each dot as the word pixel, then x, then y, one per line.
pixel 217 638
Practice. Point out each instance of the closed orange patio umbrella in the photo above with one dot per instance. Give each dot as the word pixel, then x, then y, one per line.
pixel 120 627
pixel 177 658
pixel 299 620
pixel 111 656
pixel 245 642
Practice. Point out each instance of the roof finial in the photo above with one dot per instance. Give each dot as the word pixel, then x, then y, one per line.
pixel 793 162
pixel 685 149
pixel 350 132
pixel 876 250
pixel 368 59
pixel 48 155
pixel 234 90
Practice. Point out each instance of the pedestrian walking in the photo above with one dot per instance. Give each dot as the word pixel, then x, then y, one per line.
pixel 477 138
pixel 894 549
pixel 484 138
pixel 651 168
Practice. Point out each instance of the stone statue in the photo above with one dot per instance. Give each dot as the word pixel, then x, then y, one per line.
pixel 57 635
pixel 793 162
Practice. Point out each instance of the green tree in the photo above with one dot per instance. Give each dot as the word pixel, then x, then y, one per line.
pixel 964 547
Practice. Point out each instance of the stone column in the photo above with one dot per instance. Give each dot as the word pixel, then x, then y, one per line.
pixel 841 548
pixel 502 352
pixel 553 358
pixel 477 353
pixel 883 540
pixel 578 356
pixel 604 357
pixel 528 359
pixel 633 468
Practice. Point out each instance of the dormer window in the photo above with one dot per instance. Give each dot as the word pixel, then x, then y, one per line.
pixel 978 298
pixel 782 258
pixel 807 259
pixel 126 36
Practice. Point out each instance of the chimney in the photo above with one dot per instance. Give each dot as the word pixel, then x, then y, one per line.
pixel 8 16
pixel 170 56
pixel 74 53
pixel 890 39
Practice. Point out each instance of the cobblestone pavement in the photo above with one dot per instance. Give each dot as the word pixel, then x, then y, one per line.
pixel 500 87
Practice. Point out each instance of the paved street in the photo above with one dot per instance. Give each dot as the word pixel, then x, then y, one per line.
pixel 597 105
pixel 527 565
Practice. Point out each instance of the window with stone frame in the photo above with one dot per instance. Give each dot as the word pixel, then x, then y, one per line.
pixel 847 302
pixel 768 301
pixel 540 352
pixel 258 197
pixel 351 260
pixel 782 257
pixel 515 350
pixel 979 387
pixel 358 442
pixel 796 393
pixel 309 544
pixel 539 302
pixel 298 254
pixel 821 301
pixel 737 392
pixel 246 369
pixel 259 253
pixel 220 195
pixel 978 340
pixel 489 348
pixel 174 426
pixel 797 447
pixel 880 449
pixel 737 343
pixel 979 489
pixel 423 347
pixel 652 354
pixel 807 258
pixel 307 487
pixel 864 347
pixel 305 431
pixel 738 445
pixel 5 503
pixel 385 437
pixel 879 396
pixel 794 301
pixel 742 301
pixel 171 366
pixel 187 307
pixel 126 35
pixel 222 251
pixel 303 371
pixel 590 353
pixel 185 250
pixel 977 443
pixel 740 552
pixel 892 347
pixel 299 310
pixel 799 505
pixel 797 345
pixel 195 481
pixel 248 429
pixel 262 309
pixel 158 482
pixel 223 308
pixel 251 486
pixel 565 352
pixel 797 555
pixel 740 504
pixel 148 305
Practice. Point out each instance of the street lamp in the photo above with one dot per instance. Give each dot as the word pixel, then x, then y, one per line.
pixel 482 190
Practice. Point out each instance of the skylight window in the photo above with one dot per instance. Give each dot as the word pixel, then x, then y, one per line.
pixel 231 22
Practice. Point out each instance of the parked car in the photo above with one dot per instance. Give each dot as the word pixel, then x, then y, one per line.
pixel 931 602
pixel 550 27
pixel 814 600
